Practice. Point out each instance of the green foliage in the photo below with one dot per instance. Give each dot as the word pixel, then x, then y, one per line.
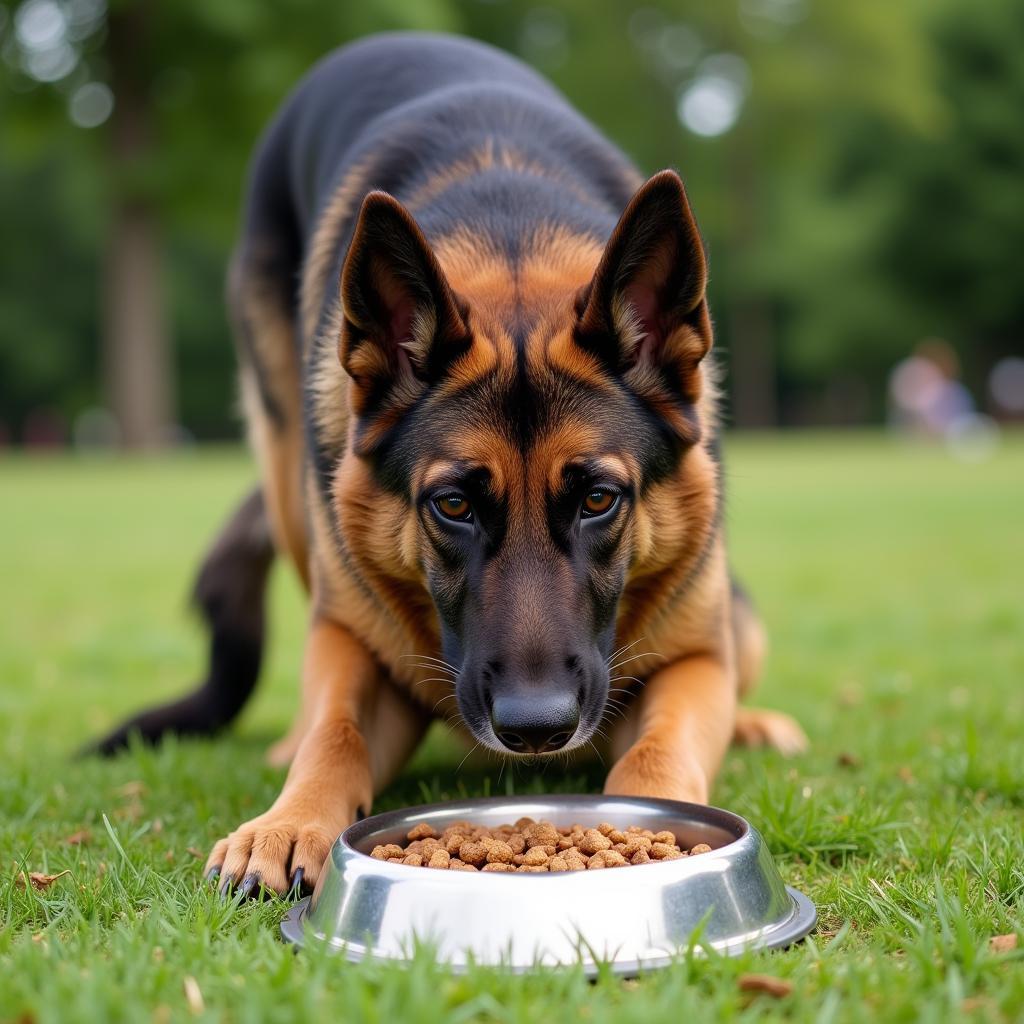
pixel 892 645
pixel 866 195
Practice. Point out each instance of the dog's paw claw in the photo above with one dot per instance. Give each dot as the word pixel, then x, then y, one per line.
pixel 213 874
pixel 250 884
pixel 295 885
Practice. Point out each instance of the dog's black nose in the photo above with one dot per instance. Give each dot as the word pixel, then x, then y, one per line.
pixel 534 723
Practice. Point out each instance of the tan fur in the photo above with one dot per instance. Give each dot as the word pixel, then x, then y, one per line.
pixel 279 447
pixel 366 699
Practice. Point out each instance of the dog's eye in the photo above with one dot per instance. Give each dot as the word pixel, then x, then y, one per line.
pixel 455 507
pixel 598 502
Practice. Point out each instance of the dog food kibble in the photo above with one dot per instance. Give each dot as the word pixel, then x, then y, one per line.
pixel 531 847
pixel 421 831
pixel 439 859
pixel 593 841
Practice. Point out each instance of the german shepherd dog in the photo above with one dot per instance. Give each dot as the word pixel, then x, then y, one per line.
pixel 474 363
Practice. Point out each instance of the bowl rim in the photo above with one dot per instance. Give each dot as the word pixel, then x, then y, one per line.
pixel 727 821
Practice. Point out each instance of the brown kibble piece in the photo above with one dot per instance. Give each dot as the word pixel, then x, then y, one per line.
pixel 593 841
pixel 575 859
pixel 532 868
pixel 605 829
pixel 471 852
pixel 499 853
pixel 666 837
pixel 523 823
pixel 536 856
pixel 421 831
pixel 454 841
pixel 637 843
pixel 541 834
pixel 596 861
pixel 699 848
pixel 457 865
pixel 497 866
pixel 612 859
pixel 616 836
pixel 396 860
pixel 414 860
pixel 386 852
pixel 660 851
pixel 557 864
pixel 439 859
pixel 640 857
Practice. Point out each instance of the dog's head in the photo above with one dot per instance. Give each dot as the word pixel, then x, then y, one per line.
pixel 518 417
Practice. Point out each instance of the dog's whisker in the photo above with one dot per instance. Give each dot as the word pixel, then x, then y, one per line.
pixel 635 657
pixel 619 679
pixel 590 743
pixel 447 696
pixel 429 657
pixel 437 668
pixel 471 751
pixel 435 679
pixel 622 650
pixel 622 689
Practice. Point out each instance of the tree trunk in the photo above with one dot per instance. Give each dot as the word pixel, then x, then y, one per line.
pixel 753 365
pixel 137 368
pixel 752 342
pixel 138 373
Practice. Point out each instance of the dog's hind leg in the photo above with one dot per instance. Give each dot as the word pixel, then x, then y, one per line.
pixel 229 592
pixel 758 727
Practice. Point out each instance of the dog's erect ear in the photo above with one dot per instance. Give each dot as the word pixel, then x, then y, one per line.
pixel 402 322
pixel 644 314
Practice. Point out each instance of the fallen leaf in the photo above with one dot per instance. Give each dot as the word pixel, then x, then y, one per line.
pixel 777 988
pixel 1002 943
pixel 79 838
pixel 132 789
pixel 131 811
pixel 169 856
pixel 38 880
pixel 973 1003
pixel 848 760
pixel 193 996
pixel 195 851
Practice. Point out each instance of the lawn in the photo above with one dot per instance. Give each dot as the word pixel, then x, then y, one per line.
pixel 891 579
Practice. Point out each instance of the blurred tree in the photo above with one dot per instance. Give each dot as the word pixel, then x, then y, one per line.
pixel 176 94
pixel 855 168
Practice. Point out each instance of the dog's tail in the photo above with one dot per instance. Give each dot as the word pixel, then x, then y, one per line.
pixel 229 592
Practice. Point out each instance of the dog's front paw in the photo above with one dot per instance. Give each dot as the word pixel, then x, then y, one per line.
pixel 649 770
pixel 277 851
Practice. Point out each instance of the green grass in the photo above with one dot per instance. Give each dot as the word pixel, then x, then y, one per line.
pixel 890 577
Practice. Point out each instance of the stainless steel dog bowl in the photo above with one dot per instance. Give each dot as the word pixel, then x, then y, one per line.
pixel 631 918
